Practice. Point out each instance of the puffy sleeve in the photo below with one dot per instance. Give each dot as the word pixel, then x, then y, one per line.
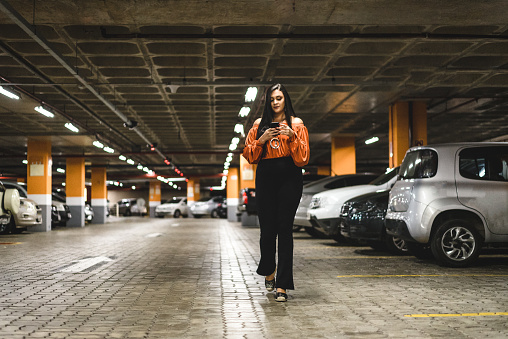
pixel 253 148
pixel 299 145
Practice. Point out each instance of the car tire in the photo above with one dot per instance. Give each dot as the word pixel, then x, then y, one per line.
pixel 421 251
pixel 395 245
pixel 177 214
pixel 215 214
pixel 6 228
pixel 456 243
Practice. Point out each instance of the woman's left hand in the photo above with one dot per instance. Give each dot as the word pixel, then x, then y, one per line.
pixel 285 130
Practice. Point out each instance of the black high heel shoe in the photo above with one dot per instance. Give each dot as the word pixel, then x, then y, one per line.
pixel 270 285
pixel 280 296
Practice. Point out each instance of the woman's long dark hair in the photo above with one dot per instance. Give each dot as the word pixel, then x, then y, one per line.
pixel 267 117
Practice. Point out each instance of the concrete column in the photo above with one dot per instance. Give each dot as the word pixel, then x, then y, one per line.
pixel 193 190
pixel 343 155
pixel 248 180
pixel 75 191
pixel 233 191
pixel 323 170
pixel 154 197
pixel 39 179
pixel 99 192
pixel 407 128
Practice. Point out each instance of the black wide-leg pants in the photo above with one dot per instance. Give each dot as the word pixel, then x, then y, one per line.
pixel 278 193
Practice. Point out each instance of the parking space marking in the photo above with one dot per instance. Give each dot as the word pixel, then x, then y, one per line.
pixel 418 275
pixel 10 243
pixel 482 314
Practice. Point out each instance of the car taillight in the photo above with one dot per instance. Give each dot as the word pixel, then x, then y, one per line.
pixel 245 198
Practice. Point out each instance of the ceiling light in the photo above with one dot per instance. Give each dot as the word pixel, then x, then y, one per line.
pixel 71 127
pixel 133 187
pixel 251 94
pixel 60 170
pixel 130 162
pixel 244 111
pixel 372 140
pixel 145 169
pixel 8 93
pixel 25 162
pixel 122 157
pixel 140 167
pixel 109 149
pixel 239 129
pixel 44 111
pixel 98 144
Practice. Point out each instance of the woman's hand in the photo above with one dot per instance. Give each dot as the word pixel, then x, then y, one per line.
pixel 285 130
pixel 269 134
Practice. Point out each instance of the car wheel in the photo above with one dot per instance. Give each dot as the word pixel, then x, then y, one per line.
pixel 296 228
pixel 421 251
pixel 315 233
pixel 395 245
pixel 456 243
pixel 215 214
pixel 177 214
pixel 16 230
pixel 5 228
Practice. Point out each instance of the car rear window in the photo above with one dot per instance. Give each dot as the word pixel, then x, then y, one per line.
pixel 419 164
pixel 484 163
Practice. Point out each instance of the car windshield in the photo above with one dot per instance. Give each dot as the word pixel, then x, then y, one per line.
pixel 384 178
pixel 419 164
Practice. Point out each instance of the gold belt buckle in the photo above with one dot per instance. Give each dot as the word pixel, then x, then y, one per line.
pixel 274 143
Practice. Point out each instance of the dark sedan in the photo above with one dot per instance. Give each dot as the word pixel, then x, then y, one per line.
pixel 362 218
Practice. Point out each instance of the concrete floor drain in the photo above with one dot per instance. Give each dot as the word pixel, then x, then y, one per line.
pixel 85 264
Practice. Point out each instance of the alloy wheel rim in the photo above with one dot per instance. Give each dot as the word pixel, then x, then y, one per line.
pixel 400 244
pixel 458 243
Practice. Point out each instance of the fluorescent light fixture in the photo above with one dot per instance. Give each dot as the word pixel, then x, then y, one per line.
pixel 8 93
pixel 130 162
pixel 44 111
pixel 251 93
pixel 239 129
pixel 133 187
pixel 25 162
pixel 235 140
pixel 98 144
pixel 232 147
pixel 60 170
pixel 225 171
pixel 372 140
pixel 71 127
pixel 244 111
pixel 122 157
pixel 109 149
pixel 140 167
pixel 145 169
pixel 63 183
pixel 117 183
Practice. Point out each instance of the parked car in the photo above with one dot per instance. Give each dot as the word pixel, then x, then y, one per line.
pixel 222 209
pixel 321 185
pixel 9 206
pixel 59 201
pixel 324 209
pixel 29 214
pixel 247 202
pixel 132 206
pixel 89 213
pixel 206 206
pixel 363 218
pixel 451 198
pixel 175 207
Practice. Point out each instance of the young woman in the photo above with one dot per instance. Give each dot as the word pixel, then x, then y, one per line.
pixel 280 152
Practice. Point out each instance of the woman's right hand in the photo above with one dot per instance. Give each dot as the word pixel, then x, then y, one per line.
pixel 269 134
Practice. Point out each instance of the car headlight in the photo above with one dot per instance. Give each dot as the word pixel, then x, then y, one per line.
pixel 317 202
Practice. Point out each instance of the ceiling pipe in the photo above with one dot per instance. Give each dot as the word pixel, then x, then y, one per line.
pixel 28 29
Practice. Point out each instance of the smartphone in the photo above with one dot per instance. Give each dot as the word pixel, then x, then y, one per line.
pixel 274 125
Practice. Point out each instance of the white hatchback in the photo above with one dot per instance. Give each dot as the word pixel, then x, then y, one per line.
pixel 176 207
pixel 451 199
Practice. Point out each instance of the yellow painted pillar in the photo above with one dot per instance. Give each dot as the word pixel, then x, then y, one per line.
pixel 39 179
pixel 75 191
pixel 232 192
pixel 193 190
pixel 343 155
pixel 247 174
pixel 99 195
pixel 323 170
pixel 154 198
pixel 407 128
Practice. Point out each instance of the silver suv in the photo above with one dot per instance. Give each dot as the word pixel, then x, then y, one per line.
pixel 451 199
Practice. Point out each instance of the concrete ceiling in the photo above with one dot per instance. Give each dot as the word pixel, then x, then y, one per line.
pixel 181 69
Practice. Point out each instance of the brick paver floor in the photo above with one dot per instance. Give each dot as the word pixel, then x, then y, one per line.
pixel 195 278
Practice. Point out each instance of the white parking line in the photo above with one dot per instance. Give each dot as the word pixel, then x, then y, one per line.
pixel 83 264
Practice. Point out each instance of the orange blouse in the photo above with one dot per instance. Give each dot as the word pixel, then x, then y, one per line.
pixel 297 146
